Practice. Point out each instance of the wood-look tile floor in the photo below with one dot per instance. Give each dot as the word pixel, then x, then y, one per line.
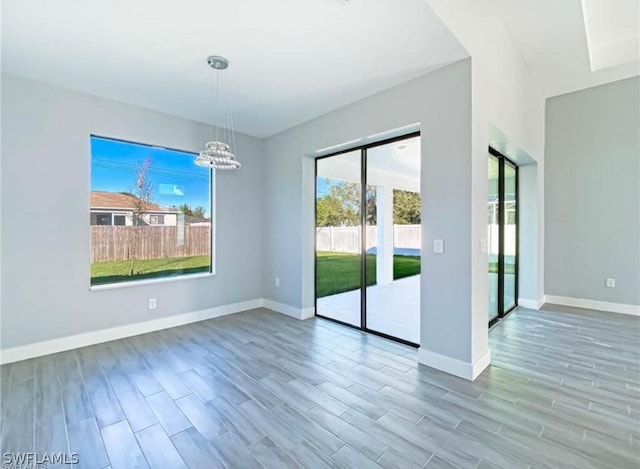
pixel 259 389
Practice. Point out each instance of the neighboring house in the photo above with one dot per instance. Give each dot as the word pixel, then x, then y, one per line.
pixel 114 208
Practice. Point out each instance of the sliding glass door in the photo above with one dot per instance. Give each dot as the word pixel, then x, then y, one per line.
pixel 338 235
pixel 502 234
pixel 509 229
pixel 493 235
pixel 368 241
pixel 393 239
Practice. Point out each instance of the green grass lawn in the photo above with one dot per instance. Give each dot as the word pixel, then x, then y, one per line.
pixel 508 268
pixel 339 272
pixel 118 271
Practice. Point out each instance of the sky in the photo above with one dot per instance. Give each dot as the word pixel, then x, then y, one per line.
pixel 175 177
pixel 322 187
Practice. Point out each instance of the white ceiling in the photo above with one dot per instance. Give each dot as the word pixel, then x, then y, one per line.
pixel 395 165
pixel 613 31
pixel 551 37
pixel 401 157
pixel 290 60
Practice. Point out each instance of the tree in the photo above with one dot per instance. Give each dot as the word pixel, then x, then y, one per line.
pixel 141 194
pixel 341 206
pixel 406 207
pixel 198 212
pixel 372 205
pixel 330 211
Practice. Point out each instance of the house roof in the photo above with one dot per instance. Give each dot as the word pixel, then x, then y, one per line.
pixel 103 199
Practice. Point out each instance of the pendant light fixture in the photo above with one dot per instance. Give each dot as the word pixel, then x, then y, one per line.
pixel 219 153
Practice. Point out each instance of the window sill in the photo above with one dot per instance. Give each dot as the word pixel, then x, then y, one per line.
pixel 136 283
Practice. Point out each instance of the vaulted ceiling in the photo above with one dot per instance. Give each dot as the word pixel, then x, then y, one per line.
pixel 293 60
pixel 559 48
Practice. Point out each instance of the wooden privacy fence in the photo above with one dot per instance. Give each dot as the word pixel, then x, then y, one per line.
pixel 113 243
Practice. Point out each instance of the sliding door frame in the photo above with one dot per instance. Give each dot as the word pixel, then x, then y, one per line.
pixel 363 239
pixel 502 161
pixel 363 232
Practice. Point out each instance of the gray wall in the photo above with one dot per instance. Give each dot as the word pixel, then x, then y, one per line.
pixel 528 233
pixel 441 103
pixel 592 193
pixel 45 205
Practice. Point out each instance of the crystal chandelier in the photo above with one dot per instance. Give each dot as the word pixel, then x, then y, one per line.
pixel 217 153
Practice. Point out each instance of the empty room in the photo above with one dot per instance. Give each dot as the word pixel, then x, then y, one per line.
pixel 320 234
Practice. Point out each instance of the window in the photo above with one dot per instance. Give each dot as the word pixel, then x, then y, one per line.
pixel 103 219
pixel 151 213
pixel 157 220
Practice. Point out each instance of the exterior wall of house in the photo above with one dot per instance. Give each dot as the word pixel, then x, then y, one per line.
pixel 165 219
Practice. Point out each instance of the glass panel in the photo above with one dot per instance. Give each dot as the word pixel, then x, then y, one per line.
pixel 493 233
pixel 510 210
pixel 338 244
pixel 163 226
pixel 393 239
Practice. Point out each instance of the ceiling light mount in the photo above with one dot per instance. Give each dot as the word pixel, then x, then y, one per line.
pixel 217 62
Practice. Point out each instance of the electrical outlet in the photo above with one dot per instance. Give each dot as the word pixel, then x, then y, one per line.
pixel 438 246
pixel 611 283
pixel 152 303
pixel 483 245
pixel 277 282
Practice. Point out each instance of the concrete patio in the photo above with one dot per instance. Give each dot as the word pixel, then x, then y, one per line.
pixel 392 308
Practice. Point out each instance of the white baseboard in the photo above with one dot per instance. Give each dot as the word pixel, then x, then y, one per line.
pixel 292 311
pixel 453 366
pixel 62 344
pixel 529 303
pixel 308 313
pixel 47 347
pixel 481 364
pixel 593 304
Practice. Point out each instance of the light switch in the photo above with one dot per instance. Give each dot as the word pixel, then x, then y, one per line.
pixel 438 246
